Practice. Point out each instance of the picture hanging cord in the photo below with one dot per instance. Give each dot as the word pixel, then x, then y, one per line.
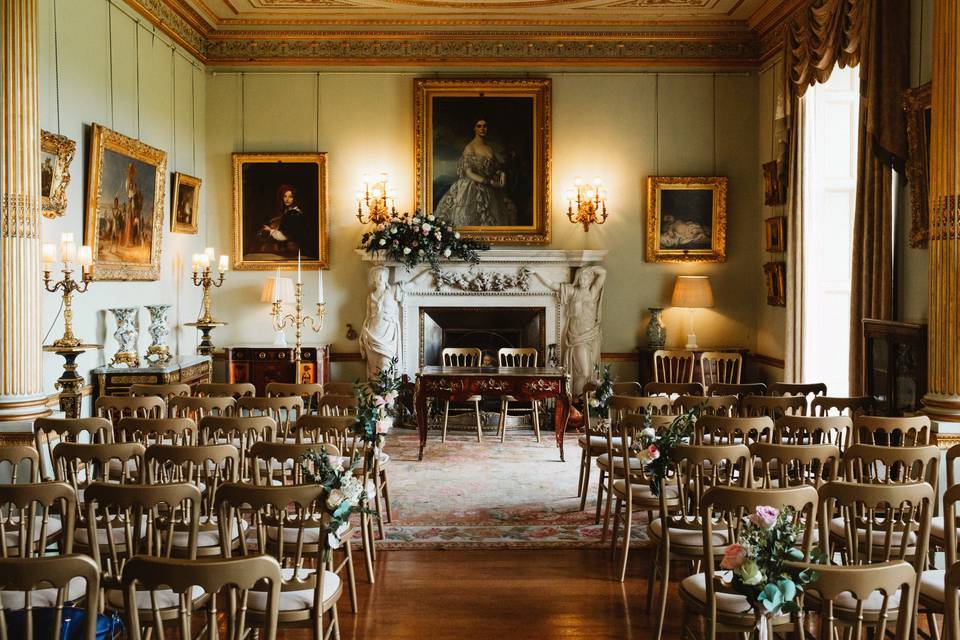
pixel 193 121
pixel 110 55
pixel 137 40
pixel 243 128
pixel 714 125
pixel 173 110
pixel 316 122
pixel 656 125
pixel 56 65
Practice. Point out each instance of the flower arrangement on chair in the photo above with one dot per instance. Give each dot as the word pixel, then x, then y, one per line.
pixel 600 402
pixel 377 405
pixel 655 446
pixel 346 493
pixel 759 563
pixel 419 238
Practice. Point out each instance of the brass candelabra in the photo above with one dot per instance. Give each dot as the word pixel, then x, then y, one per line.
pixel 203 277
pixel 206 280
pixel 378 199
pixel 297 319
pixel 587 205
pixel 67 286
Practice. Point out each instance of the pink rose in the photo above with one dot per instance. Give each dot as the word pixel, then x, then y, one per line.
pixel 383 425
pixel 733 557
pixel 379 401
pixel 764 517
pixel 390 397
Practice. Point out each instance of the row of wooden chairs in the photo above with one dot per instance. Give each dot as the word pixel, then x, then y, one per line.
pixel 715 366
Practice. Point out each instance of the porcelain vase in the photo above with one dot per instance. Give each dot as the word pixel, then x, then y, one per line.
pixel 159 350
pixel 656 332
pixel 126 335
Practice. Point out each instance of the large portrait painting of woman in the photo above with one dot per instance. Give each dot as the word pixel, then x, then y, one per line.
pixel 280 210
pixel 125 192
pixel 482 152
pixel 686 219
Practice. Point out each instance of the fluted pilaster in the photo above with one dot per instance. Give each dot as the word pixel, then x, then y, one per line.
pixel 21 382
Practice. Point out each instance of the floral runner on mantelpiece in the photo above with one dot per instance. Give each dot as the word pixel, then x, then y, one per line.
pixel 469 495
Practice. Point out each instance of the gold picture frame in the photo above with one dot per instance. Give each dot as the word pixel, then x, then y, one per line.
pixel 516 113
pixel 686 219
pixel 775 274
pixel 280 211
pixel 916 102
pixel 124 218
pixel 185 203
pixel 776 234
pixel 56 154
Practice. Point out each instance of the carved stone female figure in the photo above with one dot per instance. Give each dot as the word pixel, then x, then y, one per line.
pixel 380 337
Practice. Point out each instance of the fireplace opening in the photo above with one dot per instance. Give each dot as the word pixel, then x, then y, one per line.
pixel 484 328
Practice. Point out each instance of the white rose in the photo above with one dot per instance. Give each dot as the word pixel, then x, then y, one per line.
pixel 393 230
pixel 431 218
pixel 426 227
pixel 446 253
pixel 334 499
pixel 335 538
pixel 406 251
pixel 594 402
pixel 371 491
pixel 420 251
pixel 648 434
pixel 383 241
pixel 456 235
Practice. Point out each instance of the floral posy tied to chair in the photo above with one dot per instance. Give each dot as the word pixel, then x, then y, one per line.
pixel 655 446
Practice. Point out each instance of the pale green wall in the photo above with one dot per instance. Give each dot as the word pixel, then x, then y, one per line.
pixel 621 126
pixel 102 62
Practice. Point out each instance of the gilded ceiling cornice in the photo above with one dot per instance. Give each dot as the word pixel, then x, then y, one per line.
pixel 770 23
pixel 175 23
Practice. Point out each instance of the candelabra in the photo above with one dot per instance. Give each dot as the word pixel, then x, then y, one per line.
pixel 587 205
pixel 378 199
pixel 203 277
pixel 297 319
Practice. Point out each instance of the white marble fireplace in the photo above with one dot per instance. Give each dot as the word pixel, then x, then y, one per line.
pixel 504 278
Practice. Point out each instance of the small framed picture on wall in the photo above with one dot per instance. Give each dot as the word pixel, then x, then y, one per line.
pixel 776 234
pixel 776 277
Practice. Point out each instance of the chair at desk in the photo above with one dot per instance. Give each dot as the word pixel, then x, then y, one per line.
pixel 462 357
pixel 523 357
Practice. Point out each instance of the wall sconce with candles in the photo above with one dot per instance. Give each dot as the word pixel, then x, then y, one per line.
pixel 203 277
pixel 376 202
pixel 69 347
pixel 587 204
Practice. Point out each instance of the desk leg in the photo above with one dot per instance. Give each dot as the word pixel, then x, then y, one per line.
pixel 560 417
pixel 420 407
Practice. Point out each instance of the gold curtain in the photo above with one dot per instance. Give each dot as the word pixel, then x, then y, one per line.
pixel 822 35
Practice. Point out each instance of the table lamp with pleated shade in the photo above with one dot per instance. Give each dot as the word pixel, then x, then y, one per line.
pixel 692 292
pixel 277 289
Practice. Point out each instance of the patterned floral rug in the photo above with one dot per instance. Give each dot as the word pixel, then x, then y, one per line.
pixel 469 495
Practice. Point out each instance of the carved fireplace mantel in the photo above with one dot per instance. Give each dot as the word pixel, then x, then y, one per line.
pixel 504 278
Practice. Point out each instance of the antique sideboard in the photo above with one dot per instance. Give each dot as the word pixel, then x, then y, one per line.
pixel 261 365
pixel 116 381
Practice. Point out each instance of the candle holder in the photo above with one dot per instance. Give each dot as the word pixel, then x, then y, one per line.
pixel 67 286
pixel 204 278
pixel 376 202
pixel 587 205
pixel 69 383
pixel 297 319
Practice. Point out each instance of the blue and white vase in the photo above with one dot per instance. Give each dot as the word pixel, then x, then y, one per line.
pixel 159 349
pixel 656 332
pixel 126 335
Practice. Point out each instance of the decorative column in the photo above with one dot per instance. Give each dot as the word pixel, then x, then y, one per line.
pixel 21 380
pixel 942 401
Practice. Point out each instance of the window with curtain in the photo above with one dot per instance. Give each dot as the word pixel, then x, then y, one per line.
pixel 831 118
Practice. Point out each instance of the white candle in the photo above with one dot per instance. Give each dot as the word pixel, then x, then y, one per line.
pixel 49 254
pixel 195 262
pixel 204 261
pixel 276 287
pixel 211 255
pixel 66 237
pixel 68 250
pixel 298 268
pixel 320 285
pixel 224 263
pixel 85 257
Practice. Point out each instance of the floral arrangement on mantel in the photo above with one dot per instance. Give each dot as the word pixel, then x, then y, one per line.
pixel 413 240
pixel 377 405
pixel 346 494
pixel 655 446
pixel 759 564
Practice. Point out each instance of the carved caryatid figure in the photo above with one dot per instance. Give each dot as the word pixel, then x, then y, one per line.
pixel 582 335
pixel 380 337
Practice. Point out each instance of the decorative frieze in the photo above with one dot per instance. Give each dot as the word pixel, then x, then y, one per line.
pixel 483 281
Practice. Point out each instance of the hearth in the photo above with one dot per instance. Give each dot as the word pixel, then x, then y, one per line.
pixel 486 328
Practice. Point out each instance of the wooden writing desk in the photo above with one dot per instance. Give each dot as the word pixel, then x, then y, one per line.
pixel 524 384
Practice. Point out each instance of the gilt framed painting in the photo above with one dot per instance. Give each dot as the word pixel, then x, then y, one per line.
pixel 483 156
pixel 56 154
pixel 185 204
pixel 124 222
pixel 279 210
pixel 686 219
pixel 775 274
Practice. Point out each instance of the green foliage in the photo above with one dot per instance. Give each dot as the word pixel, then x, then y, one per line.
pixel 413 240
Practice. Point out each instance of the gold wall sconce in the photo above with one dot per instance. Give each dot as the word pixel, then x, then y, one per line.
pixel 587 204
pixel 376 200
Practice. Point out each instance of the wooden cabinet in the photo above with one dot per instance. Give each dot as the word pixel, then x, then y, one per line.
pixel 262 365
pixel 894 365
pixel 116 381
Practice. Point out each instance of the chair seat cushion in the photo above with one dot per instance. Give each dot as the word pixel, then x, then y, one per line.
pixel 166 598
pixel 847 602
pixel 692 538
pixel 11 537
pixel 311 535
pixel 937 530
pixel 879 536
pixel 15 600
pixel 603 461
pixel 208 535
pixel 299 599
pixel 695 586
pixel 597 443
pixel 641 493
pixel 117 529
pixel 933 584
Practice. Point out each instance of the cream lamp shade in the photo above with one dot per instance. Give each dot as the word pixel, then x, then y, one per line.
pixel 692 292
pixel 267 294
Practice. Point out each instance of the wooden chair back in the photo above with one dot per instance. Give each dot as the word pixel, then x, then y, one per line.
pixel 337 431
pixel 778 466
pixel 232 578
pixel 951 616
pixel 843 406
pixel 20 578
pixel 773 406
pixel 627 430
pixel 32 516
pixel 198 407
pixel 950 499
pixel 708 405
pixel 49 432
pixel 150 431
pixel 517 357
pixel 115 408
pixel 953 474
pixel 692 470
pixel 673 389
pixel 740 390
pixel 284 410
pixel 672 366
pixel 340 388
pixel 627 388
pixel 620 406
pixel 338 405
pixel 309 393
pixel 803 430
pixel 913 431
pixel 282 464
pixel 720 366
pixel 805 389
pixel 856 584
pixel 19 463
pixel 225 389
pixel 80 464
pixel 460 357
pixel 242 433
pixel 721 429
pixel 876 464
pixel 165 391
